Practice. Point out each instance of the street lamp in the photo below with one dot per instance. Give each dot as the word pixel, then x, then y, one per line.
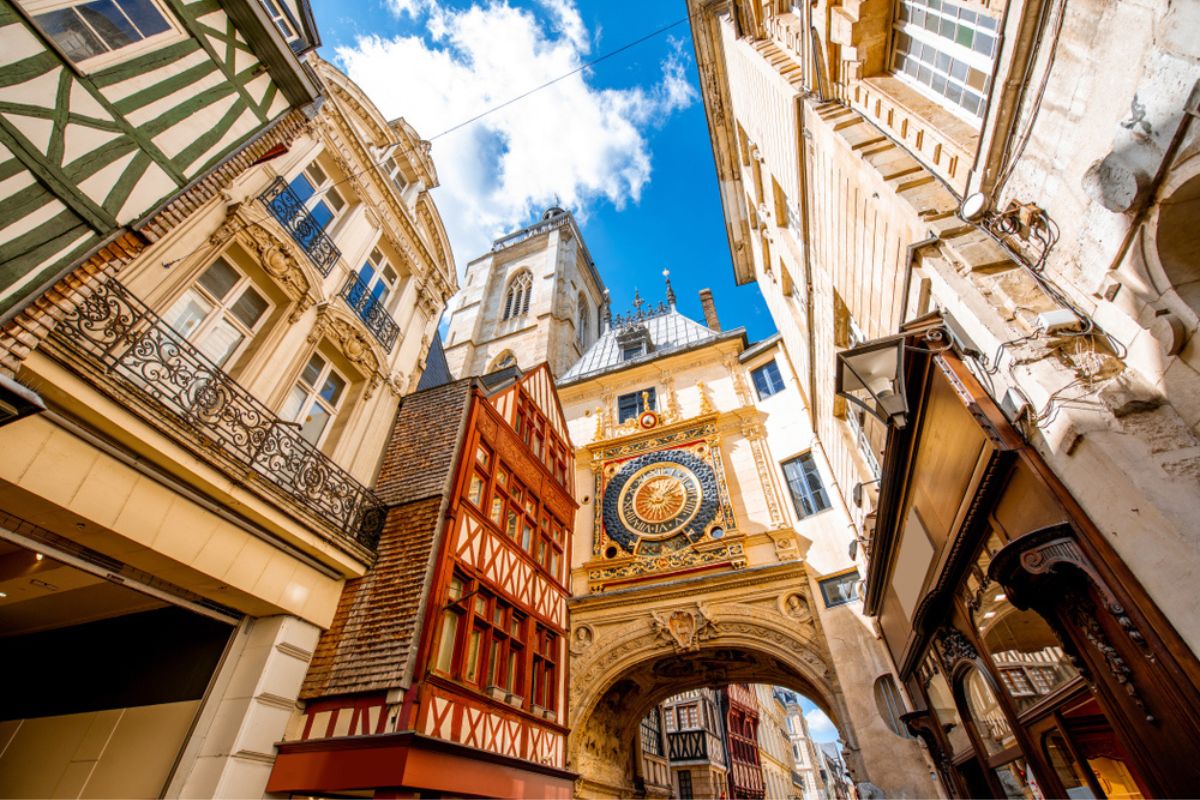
pixel 17 401
pixel 872 377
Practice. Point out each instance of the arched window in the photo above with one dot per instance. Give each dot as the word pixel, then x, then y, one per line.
pixel 890 705
pixel 505 359
pixel 1178 241
pixel 581 330
pixel 516 299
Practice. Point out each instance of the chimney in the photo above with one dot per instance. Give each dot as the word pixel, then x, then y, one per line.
pixel 710 310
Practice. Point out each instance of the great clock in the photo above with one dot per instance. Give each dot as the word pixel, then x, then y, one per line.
pixel 660 502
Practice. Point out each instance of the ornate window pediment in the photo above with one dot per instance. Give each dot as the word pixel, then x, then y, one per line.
pixel 348 337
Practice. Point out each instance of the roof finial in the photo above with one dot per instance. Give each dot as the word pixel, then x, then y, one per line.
pixel 670 291
pixel 638 302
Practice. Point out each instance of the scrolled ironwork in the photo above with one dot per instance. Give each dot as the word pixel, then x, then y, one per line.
pixel 139 358
pixel 292 214
pixel 370 310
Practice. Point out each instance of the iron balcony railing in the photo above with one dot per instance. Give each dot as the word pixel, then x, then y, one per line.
pixel 138 359
pixel 291 213
pixel 371 311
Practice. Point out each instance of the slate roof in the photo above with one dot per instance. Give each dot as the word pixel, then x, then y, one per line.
pixel 373 638
pixel 669 332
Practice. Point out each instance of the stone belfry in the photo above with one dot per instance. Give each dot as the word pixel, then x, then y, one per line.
pixel 535 296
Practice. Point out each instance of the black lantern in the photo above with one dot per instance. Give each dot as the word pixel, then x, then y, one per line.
pixel 872 376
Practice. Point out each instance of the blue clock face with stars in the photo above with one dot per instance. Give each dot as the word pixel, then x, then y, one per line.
pixel 660 502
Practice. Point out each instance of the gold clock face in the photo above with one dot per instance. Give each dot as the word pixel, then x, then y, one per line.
pixel 659 499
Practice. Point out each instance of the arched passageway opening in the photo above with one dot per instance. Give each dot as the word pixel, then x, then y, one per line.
pixel 616 682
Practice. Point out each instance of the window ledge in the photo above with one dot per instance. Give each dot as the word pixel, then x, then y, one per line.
pixel 945 142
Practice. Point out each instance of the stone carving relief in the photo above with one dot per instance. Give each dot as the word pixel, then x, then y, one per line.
pixel 795 606
pixel 277 257
pixel 581 639
pixel 684 628
pixel 352 343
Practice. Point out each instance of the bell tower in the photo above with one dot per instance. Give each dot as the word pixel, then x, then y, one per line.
pixel 535 296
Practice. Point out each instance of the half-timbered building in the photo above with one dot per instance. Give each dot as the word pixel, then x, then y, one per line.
pixel 108 110
pixel 184 510
pixel 446 666
pixel 740 708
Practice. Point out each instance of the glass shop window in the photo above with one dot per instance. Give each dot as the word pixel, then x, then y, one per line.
pixel 991 725
pixel 1027 654
pixel 941 704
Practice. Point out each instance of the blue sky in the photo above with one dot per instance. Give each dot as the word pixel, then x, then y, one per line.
pixel 623 144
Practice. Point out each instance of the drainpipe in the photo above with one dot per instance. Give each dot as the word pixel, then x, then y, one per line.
pixel 910 255
pixel 808 284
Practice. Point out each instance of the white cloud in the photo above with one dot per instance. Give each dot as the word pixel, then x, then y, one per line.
pixel 574 140
pixel 820 726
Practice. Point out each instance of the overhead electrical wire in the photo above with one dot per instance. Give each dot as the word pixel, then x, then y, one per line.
pixel 505 104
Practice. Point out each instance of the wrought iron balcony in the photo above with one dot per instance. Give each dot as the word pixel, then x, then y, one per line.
pixel 139 360
pixel 291 213
pixel 371 311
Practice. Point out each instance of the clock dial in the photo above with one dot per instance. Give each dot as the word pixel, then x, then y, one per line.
pixel 660 502
pixel 659 499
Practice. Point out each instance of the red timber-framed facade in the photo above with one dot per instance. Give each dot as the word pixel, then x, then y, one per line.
pixel 741 736
pixel 445 670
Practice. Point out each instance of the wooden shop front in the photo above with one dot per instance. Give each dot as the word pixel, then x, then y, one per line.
pixel 1038 664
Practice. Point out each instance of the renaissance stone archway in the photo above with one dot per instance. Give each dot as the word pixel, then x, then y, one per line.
pixel 632 649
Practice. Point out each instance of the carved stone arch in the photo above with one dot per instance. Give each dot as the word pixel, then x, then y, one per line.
pixel 348 336
pixel 1170 244
pixel 505 359
pixel 282 259
pixel 618 674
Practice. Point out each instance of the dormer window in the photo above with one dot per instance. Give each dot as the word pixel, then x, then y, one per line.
pixel 634 342
pixel 282 18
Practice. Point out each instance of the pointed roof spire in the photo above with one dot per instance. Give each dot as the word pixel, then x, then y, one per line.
pixel 670 291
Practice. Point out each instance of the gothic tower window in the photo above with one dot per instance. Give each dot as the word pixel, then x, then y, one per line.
pixel 581 330
pixel 516 299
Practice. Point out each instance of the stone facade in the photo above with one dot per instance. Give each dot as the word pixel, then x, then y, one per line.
pixel 703 619
pixel 535 297
pixel 218 394
pixel 860 193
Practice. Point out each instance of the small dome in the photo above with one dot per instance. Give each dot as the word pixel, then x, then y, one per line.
pixel 552 212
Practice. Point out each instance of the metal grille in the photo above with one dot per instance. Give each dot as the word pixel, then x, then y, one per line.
pixel 139 358
pixel 292 214
pixel 371 311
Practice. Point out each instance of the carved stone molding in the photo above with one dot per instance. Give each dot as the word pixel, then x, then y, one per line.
pixel 755 434
pixel 278 257
pixel 350 340
pixel 683 628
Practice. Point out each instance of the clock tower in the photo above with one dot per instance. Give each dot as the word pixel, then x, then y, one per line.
pixel 535 296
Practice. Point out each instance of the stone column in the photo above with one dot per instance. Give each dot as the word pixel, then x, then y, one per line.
pixel 232 748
